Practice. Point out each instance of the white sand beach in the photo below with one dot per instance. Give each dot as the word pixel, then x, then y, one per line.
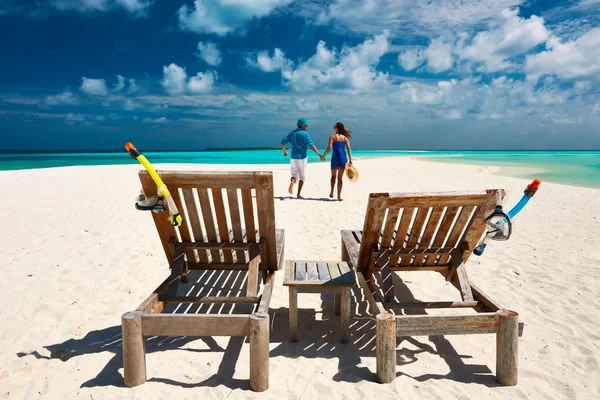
pixel 76 255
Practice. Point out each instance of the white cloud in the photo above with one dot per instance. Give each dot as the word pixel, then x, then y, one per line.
pixel 66 97
pixel 175 81
pixel 266 63
pixel 130 105
pixel 507 37
pixel 133 87
pixel 87 6
pixel 224 16
pixel 351 68
pixel 405 17
pixel 438 55
pixel 210 53
pixel 71 118
pixel 120 84
pixel 95 87
pixel 161 120
pixel 201 83
pixel 308 104
pixel 410 59
pixel 578 58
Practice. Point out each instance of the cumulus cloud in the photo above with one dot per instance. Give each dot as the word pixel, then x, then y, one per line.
pixel 96 87
pixel 308 104
pixel 410 59
pixel 577 58
pixel 71 118
pixel 224 16
pixel 66 97
pixel 201 83
pixel 130 105
pixel 133 87
pixel 267 63
pixel 510 36
pixel 175 81
pixel 210 53
pixel 351 68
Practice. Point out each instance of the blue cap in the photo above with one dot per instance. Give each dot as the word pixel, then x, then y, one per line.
pixel 302 121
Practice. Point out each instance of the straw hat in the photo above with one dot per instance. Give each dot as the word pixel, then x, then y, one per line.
pixel 351 173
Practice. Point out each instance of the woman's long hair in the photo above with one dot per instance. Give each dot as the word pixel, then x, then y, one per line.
pixel 343 131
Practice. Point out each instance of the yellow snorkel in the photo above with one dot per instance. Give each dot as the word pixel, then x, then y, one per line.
pixel 174 216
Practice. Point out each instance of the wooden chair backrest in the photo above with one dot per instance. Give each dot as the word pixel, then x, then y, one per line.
pixel 218 207
pixel 420 221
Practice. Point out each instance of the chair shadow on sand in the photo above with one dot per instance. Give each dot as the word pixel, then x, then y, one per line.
pixel 317 339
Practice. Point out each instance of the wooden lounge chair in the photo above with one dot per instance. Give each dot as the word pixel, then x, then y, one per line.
pixel 428 232
pixel 212 239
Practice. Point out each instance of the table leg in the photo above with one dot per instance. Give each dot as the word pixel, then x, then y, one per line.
pixel 345 315
pixel 337 300
pixel 293 314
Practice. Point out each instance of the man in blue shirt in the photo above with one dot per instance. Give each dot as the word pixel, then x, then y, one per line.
pixel 300 141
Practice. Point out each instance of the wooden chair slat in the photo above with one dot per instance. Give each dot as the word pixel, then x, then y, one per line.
pixel 415 233
pixel 405 220
pixel 461 222
pixel 209 222
pixel 372 230
pixel 184 229
pixel 300 271
pixel 430 229
pixel 236 222
pixel 249 214
pixel 390 224
pixel 323 272
pixel 193 219
pixel 217 195
pixel 311 272
pixel 334 271
pixel 266 219
pixel 442 233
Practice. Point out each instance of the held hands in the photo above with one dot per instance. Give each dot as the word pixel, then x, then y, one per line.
pixel 285 154
pixel 322 158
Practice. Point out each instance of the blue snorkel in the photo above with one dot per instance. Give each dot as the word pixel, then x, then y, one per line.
pixel 499 224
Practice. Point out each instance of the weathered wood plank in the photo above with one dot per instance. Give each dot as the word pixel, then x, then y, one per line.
pixel 293 314
pixel 347 273
pixel 311 272
pixel 390 224
pixel 415 233
pixel 252 284
pixel 427 325
pixel 267 293
pixel 211 299
pixel 386 347
pixel 221 216
pixel 300 272
pixel 441 199
pixel 371 230
pixel 218 267
pixel 442 232
pixel 194 222
pixel 507 348
pixel 265 204
pixel 206 180
pixel 184 229
pixel 461 222
pixel 280 237
pixel 134 351
pixel 209 223
pixel 219 245
pixel 430 229
pixel 421 268
pixel 405 219
pixel 371 295
pixel 323 272
pixel 249 214
pixel 463 281
pixel 350 248
pixel 236 222
pixel 195 325
pixel 431 304
pixel 259 352
pixel 152 304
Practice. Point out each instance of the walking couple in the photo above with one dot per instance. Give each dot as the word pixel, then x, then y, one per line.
pixel 300 141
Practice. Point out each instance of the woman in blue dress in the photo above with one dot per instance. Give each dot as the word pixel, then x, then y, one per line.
pixel 338 143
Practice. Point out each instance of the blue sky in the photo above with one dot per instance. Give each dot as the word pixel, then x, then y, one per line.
pixel 190 74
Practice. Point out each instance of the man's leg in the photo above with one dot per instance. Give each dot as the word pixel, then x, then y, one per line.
pixel 301 174
pixel 294 173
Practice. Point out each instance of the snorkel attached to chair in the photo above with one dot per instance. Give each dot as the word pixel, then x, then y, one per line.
pixel 155 203
pixel 499 225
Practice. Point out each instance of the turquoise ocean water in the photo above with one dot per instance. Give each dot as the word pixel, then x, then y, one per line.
pixel 580 168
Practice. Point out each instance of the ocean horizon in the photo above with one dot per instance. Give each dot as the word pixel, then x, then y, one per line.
pixel 578 168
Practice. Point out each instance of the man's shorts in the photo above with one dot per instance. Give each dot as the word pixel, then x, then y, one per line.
pixel 298 169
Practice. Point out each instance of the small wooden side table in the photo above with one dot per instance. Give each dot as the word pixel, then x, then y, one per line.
pixel 320 277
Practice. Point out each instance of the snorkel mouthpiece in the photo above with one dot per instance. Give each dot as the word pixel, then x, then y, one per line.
pixel 133 152
pixel 532 188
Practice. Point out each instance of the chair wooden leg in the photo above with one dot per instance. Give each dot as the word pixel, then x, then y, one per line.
pixel 386 347
pixel 345 315
pixel 134 352
pixel 293 310
pixel 507 347
pixel 337 303
pixel 259 352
